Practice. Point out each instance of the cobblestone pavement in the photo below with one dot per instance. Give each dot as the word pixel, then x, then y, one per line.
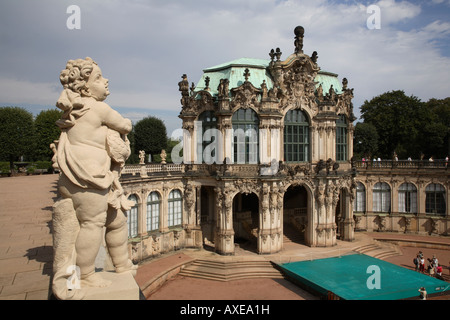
pixel 26 248
pixel 26 253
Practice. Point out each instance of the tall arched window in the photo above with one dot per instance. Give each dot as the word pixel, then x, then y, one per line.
pixel 360 200
pixel 175 208
pixel 435 199
pixel 407 198
pixel 206 136
pixel 381 197
pixel 245 136
pixel 341 138
pixel 296 136
pixel 153 210
pixel 132 215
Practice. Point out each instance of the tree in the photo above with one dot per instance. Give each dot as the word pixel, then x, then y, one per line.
pixel 16 134
pixel 150 135
pixel 46 132
pixel 365 140
pixel 398 120
pixel 441 111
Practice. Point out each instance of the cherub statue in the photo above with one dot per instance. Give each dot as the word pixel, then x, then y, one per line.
pixel 91 152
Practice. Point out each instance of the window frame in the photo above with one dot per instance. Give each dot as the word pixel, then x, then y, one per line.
pixel 208 120
pixel 296 137
pixel 384 203
pixel 407 191
pixel 174 216
pixel 341 138
pixel 360 198
pixel 435 200
pixel 153 218
pixel 248 121
pixel 133 217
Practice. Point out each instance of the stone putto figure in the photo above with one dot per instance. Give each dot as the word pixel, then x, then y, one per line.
pixel 91 152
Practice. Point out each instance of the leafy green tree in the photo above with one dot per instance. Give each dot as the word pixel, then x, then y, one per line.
pixel 398 120
pixel 16 134
pixel 150 135
pixel 365 140
pixel 46 132
pixel 441 112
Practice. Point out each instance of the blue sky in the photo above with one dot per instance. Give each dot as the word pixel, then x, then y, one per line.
pixel 143 47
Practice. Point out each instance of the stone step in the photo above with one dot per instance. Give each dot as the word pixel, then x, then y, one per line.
pixel 290 234
pixel 366 248
pixel 230 270
pixel 378 250
pixel 386 254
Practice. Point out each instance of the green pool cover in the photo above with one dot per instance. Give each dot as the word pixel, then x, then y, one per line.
pixel 361 277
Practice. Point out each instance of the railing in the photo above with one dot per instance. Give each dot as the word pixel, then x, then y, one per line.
pixel 296 212
pixel 253 170
pixel 401 164
pixel 152 168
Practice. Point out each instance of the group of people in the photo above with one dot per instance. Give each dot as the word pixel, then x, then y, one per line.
pixel 433 268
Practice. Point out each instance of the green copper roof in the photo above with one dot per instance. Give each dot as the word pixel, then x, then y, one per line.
pixel 326 79
pixel 234 72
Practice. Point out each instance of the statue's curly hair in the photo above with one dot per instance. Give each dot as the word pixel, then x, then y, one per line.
pixel 76 75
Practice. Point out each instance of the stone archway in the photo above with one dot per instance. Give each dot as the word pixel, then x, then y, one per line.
pixel 295 214
pixel 207 216
pixel 246 220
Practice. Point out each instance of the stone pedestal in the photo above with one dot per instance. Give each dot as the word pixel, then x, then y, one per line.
pixel 123 287
pixel 224 242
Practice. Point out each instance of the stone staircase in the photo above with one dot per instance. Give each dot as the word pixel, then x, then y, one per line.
pixel 291 234
pixel 228 270
pixel 379 250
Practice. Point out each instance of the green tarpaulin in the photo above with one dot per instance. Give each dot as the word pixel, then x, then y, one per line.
pixel 361 277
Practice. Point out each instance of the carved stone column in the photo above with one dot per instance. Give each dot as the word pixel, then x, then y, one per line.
pixel 327 196
pixel 347 227
pixel 267 238
pixel 193 230
pixel 188 143
pixel 224 237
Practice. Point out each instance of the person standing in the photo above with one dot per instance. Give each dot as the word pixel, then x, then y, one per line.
pixel 423 293
pixel 422 264
pixel 416 263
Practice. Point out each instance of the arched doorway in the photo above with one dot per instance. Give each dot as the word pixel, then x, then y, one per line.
pixel 295 214
pixel 246 220
pixel 207 216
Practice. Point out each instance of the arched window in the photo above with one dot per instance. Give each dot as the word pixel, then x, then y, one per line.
pixel 407 198
pixel 245 136
pixel 359 204
pixel 132 215
pixel 206 136
pixel 341 138
pixel 175 208
pixel 435 199
pixel 153 209
pixel 381 197
pixel 296 136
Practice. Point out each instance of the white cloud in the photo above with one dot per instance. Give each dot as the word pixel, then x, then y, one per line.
pixel 25 92
pixel 393 11
pixel 144 47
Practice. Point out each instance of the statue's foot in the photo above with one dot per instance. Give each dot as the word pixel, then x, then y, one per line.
pixel 75 294
pixel 128 267
pixel 95 280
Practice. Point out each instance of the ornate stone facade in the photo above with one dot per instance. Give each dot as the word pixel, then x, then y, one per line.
pixel 403 196
pixel 267 146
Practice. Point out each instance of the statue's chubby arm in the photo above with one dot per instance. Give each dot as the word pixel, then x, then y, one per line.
pixel 113 120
